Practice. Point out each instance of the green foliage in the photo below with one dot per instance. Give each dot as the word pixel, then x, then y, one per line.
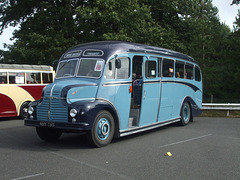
pixel 48 28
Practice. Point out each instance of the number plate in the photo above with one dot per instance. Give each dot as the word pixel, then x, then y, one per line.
pixel 47 124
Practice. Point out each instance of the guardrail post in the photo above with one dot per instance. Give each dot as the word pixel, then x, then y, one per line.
pixel 228 113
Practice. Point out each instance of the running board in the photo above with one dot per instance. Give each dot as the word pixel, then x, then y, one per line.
pixel 148 127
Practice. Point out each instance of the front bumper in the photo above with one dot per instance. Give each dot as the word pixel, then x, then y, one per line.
pixel 59 125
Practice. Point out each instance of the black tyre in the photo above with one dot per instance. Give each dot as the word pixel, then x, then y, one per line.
pixel 24 110
pixel 185 114
pixel 102 131
pixel 49 134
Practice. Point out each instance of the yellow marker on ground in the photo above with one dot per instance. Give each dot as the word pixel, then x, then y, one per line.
pixel 168 154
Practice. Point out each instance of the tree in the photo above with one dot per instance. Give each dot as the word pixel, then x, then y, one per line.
pixel 235 2
pixel 121 20
pixel 234 63
pixel 47 29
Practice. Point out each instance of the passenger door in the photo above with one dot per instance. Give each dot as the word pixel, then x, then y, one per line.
pixel 150 92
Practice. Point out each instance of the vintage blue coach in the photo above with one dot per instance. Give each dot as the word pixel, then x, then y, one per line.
pixel 113 88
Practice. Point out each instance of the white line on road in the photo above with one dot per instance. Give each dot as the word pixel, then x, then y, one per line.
pixel 25 177
pixel 92 166
pixel 192 139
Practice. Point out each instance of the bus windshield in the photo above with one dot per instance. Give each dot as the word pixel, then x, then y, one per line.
pixel 87 68
pixel 66 68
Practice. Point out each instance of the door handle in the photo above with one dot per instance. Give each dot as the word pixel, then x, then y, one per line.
pixel 144 96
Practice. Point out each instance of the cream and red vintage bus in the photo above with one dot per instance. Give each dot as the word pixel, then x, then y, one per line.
pixel 20 85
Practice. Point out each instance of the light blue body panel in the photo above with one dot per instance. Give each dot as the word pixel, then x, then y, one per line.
pixel 83 93
pixel 166 101
pixel 117 93
pixel 150 102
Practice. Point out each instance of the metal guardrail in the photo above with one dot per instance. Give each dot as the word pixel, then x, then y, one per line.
pixel 221 106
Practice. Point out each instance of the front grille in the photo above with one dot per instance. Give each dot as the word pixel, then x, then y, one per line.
pixel 58 112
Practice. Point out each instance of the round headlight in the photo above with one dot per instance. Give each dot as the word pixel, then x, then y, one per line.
pixel 73 112
pixel 30 110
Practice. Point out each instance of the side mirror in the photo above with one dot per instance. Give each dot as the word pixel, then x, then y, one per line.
pixel 118 63
pixel 55 64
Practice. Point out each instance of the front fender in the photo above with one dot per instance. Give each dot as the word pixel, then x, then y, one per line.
pixel 88 110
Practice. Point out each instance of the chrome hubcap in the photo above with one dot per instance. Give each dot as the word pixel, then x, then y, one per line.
pixel 103 129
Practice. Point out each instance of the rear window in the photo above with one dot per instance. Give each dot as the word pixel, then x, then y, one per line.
pixel 197 74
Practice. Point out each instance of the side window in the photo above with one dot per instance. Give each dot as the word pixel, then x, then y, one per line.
pixel 188 71
pixel 179 69
pixel 168 68
pixel 117 69
pixel 47 78
pixel 123 71
pixel 3 78
pixel 33 78
pixel 150 69
pixel 197 74
pixel 16 78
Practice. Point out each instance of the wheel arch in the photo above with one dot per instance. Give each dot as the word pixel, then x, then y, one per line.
pixel 92 108
pixel 116 120
pixel 191 103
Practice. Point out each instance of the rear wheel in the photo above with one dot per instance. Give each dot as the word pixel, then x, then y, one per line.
pixel 102 131
pixel 48 134
pixel 185 114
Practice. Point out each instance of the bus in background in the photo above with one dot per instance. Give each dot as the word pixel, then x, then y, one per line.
pixel 114 88
pixel 20 85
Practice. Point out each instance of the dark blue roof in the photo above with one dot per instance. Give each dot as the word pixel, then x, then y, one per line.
pixel 111 47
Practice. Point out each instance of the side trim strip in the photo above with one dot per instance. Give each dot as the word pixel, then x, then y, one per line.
pixel 152 82
pixel 195 88
pixel 147 127
pixel 117 83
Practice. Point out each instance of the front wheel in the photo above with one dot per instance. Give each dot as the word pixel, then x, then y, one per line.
pixel 49 134
pixel 185 114
pixel 102 131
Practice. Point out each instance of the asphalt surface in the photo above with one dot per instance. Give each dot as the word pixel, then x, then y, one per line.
pixel 208 148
